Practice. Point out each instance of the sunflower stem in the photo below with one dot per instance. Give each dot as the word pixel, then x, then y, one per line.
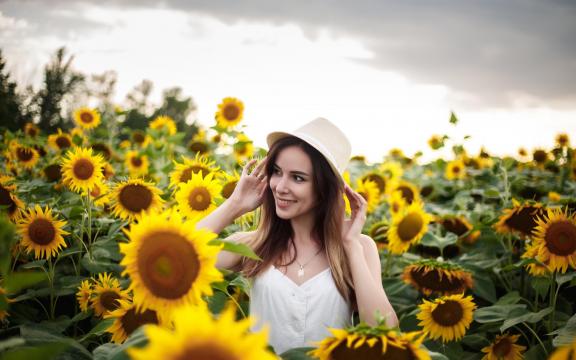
pixel 553 294
pixel 236 303
pixel 529 340
pixel 537 337
pixel 51 280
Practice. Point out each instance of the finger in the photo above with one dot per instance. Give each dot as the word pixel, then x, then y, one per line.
pixel 247 167
pixel 259 168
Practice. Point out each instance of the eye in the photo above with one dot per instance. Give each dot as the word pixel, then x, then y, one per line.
pixel 298 178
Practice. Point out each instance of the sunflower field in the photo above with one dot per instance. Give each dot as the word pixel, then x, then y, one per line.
pixel 100 257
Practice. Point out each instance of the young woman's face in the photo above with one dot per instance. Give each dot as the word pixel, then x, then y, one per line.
pixel 292 184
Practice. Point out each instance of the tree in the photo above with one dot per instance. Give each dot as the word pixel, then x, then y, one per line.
pixel 176 106
pixel 11 115
pixel 59 80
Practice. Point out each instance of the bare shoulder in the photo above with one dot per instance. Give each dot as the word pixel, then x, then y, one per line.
pixel 368 244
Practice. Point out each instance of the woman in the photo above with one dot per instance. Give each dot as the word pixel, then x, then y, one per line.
pixel 317 267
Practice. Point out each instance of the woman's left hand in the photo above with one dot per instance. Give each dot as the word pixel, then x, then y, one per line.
pixel 352 229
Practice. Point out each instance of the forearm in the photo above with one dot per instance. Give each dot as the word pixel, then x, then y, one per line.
pixel 370 295
pixel 223 216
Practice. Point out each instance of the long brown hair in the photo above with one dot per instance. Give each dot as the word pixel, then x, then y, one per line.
pixel 274 236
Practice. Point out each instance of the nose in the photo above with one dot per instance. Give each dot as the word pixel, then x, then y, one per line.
pixel 282 185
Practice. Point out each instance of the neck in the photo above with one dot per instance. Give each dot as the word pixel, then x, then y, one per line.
pixel 302 228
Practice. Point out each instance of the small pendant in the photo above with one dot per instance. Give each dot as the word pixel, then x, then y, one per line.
pixel 301 272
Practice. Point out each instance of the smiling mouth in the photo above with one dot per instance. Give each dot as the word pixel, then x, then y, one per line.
pixel 283 202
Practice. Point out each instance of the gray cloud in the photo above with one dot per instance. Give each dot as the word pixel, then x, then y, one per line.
pixel 487 50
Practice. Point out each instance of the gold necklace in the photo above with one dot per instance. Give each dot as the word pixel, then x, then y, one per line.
pixel 301 270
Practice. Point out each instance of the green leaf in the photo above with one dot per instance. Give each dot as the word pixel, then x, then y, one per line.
pixel 530 317
pixel 17 281
pixel 297 354
pixel 498 312
pixel 99 329
pixel 510 298
pixel 541 285
pixel 39 352
pixel 7 238
pixel 36 336
pixel 3 302
pixel 430 239
pixel 564 278
pixel 10 343
pixel 241 249
pixel 453 118
pixel 484 286
pixel 565 335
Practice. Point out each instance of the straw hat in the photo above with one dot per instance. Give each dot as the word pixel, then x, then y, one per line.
pixel 325 137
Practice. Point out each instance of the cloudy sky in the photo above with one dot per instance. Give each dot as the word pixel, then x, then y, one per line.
pixel 388 73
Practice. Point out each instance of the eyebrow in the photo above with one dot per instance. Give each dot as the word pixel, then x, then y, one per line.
pixel 293 172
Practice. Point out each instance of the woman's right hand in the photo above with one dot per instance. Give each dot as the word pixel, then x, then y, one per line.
pixel 250 189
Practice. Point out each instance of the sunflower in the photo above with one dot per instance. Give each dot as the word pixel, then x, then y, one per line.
pixel 554 196
pixel 107 294
pixel 9 202
pixel 197 197
pixel 539 157
pixel 409 191
pixel 198 144
pixel 84 294
pixel 25 156
pixel 127 319
pixel 136 164
pixel 132 198
pixel 60 141
pixel 460 226
pixel 103 149
pixel 562 140
pixel 99 194
pixel 230 112
pixel 223 338
pixel 396 203
pixel 379 232
pixel 555 237
pixel 169 262
pixel 140 138
pixel 392 170
pixel 369 191
pixel 229 183
pixel 447 317
pixel 87 118
pixel 455 170
pixel 443 278
pixel 567 352
pixel 41 232
pixel 379 179
pixel 436 142
pixel 108 170
pixel 520 219
pixel 164 123
pixel 31 130
pixel 183 172
pixel 504 347
pixel 243 148
pixel 407 228
pixel 534 269
pixel 363 342
pixel 81 169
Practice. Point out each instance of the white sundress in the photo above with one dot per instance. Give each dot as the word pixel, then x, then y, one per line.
pixel 297 315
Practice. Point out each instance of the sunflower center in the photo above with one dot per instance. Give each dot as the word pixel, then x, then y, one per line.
pixel 206 351
pixel 231 112
pixel 41 231
pixel 502 348
pixel 109 300
pixel 135 197
pixel 524 220
pixel 456 169
pixel 410 226
pixel 83 169
pixel 455 226
pixel 436 281
pixel 241 149
pixel 448 313
pixel 168 264
pixel 86 117
pixel 95 191
pixel 561 238
pixel 407 194
pixel 24 154
pixel 228 189
pixel 53 172
pixel 379 180
pixel 540 156
pixel 199 199
pixel 393 352
pixel 187 173
pixel 132 320
pixel 63 142
pixel 138 137
pixel 198 147
pixel 136 161
pixel 6 199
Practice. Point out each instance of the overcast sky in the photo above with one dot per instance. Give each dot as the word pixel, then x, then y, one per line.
pixel 388 73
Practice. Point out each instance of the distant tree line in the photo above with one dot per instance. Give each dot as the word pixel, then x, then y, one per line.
pixel 64 89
